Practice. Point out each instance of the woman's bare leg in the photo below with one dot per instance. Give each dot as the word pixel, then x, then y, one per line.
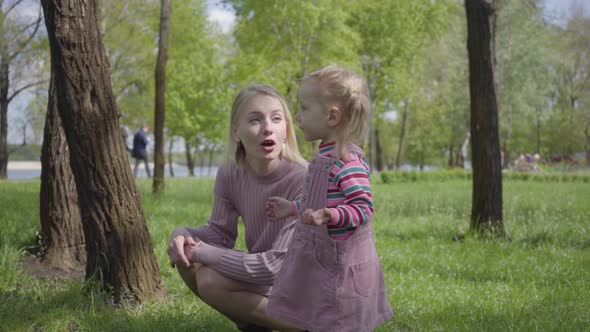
pixel 230 297
pixel 189 275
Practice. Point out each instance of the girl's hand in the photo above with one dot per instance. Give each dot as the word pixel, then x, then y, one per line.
pixel 278 208
pixel 176 250
pixel 318 217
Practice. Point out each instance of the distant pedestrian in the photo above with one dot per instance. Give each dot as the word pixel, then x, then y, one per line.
pixel 139 152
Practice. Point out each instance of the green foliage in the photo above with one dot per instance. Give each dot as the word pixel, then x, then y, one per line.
pixel 524 58
pixel 535 281
pixel 567 122
pixel 395 36
pixel 130 32
pixel 280 41
pixel 198 88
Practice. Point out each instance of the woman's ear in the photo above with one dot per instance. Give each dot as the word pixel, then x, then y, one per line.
pixel 234 135
pixel 334 116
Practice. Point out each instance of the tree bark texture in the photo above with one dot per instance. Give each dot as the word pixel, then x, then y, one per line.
pixel 62 233
pixel 160 111
pixel 120 250
pixel 486 210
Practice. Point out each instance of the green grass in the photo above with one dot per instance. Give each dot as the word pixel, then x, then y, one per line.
pixel 537 280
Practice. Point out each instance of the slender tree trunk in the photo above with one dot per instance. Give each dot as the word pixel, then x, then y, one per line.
pixel 402 137
pixel 210 164
pixel 160 111
pixel 378 150
pixel 506 144
pixel 451 161
pixel 486 210
pixel 587 133
pixel 119 246
pixel 190 163
pixel 538 130
pixel 61 224
pixel 24 135
pixel 4 82
pixel 202 163
pixel 170 146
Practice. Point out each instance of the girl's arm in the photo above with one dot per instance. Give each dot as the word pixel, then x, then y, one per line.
pixel 353 180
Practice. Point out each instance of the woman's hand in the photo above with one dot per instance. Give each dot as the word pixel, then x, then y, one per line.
pixel 278 208
pixel 318 217
pixel 189 249
pixel 177 252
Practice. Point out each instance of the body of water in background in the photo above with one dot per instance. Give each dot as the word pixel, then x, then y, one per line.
pixel 179 171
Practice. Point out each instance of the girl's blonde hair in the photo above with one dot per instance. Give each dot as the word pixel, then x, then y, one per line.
pixel 350 91
pixel 235 151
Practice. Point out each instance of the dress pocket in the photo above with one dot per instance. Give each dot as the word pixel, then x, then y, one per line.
pixel 366 277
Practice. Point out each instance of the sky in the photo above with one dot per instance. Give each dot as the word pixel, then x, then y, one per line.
pixel 556 11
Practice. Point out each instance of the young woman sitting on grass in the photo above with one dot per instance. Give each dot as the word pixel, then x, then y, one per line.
pixel 263 161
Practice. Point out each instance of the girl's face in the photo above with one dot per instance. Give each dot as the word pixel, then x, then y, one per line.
pixel 261 128
pixel 313 114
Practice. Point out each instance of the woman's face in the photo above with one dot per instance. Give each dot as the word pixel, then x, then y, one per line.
pixel 261 128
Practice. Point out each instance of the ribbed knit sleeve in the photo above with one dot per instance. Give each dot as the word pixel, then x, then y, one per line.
pixel 256 268
pixel 222 227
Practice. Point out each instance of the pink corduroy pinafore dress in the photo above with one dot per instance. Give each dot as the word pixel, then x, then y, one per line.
pixel 324 284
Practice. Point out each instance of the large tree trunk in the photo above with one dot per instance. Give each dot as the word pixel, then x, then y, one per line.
pixel 160 111
pixel 190 163
pixel 486 210
pixel 4 77
pixel 119 246
pixel 402 137
pixel 61 225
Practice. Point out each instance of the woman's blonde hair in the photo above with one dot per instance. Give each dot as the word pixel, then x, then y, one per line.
pixel 235 151
pixel 350 91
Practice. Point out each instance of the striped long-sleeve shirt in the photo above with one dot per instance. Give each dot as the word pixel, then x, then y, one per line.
pixel 239 192
pixel 349 193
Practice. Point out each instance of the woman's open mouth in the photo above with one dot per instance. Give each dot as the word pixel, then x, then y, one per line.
pixel 268 145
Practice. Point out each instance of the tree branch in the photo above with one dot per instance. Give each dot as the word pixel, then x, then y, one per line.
pixel 16 3
pixel 28 40
pixel 24 88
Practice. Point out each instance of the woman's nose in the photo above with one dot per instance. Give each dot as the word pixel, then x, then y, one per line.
pixel 267 129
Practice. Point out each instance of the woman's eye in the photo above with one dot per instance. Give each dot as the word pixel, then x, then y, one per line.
pixel 277 119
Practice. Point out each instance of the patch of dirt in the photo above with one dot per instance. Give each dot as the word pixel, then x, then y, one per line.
pixel 33 266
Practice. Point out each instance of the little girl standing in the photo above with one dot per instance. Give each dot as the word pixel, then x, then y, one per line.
pixel 331 278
